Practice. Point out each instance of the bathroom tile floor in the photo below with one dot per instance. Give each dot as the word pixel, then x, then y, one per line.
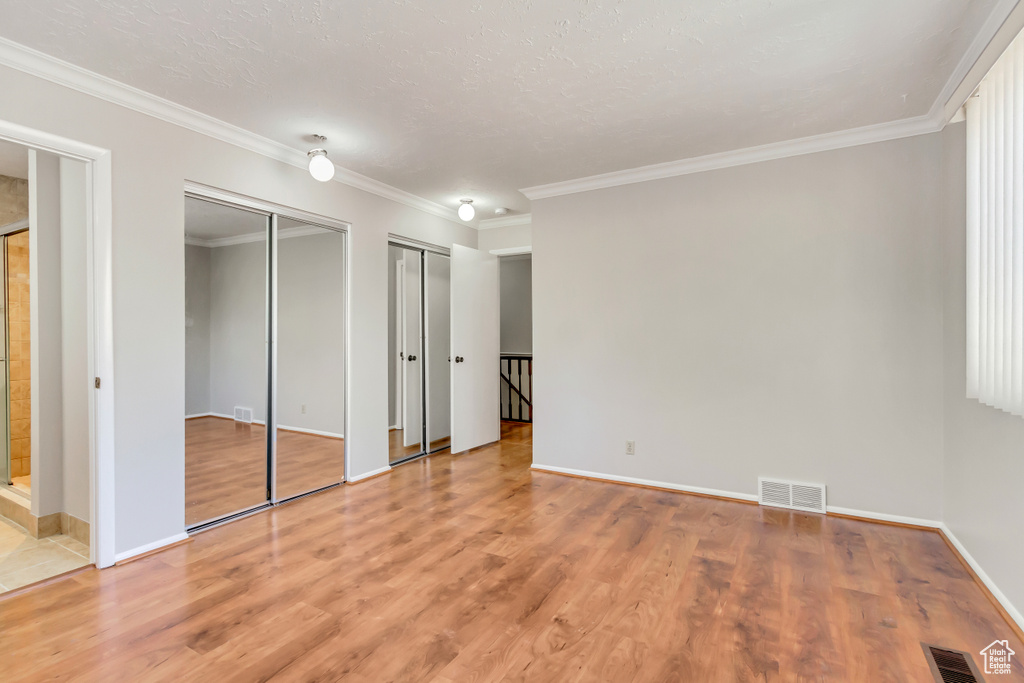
pixel 25 560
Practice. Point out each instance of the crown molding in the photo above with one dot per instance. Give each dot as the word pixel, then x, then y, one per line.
pixel 505 222
pixel 941 111
pixel 751 155
pixel 68 75
pixel 996 34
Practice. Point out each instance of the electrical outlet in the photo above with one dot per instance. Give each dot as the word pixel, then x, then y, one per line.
pixel 303 408
pixel 631 448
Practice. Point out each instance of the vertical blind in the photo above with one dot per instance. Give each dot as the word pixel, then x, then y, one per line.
pixel 995 235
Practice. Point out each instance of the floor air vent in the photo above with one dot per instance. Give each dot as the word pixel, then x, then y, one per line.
pixel 951 666
pixel 790 494
pixel 243 415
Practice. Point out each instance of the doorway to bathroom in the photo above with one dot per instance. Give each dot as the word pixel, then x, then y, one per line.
pixel 45 374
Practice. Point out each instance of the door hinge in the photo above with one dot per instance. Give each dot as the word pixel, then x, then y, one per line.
pixel 97 382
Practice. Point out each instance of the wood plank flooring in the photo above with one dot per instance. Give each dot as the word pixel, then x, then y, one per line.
pixel 474 568
pixel 226 466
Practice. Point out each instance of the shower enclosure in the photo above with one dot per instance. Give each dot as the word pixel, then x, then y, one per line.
pixel 15 415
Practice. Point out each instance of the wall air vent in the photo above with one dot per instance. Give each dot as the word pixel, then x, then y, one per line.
pixel 791 495
pixel 951 666
pixel 243 415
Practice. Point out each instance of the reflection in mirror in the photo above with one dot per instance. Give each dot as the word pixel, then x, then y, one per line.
pixel 405 371
pixel 310 402
pixel 226 363
pixel 438 350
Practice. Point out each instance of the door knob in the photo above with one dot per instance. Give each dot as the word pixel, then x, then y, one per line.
pixel 459 359
pixel 412 358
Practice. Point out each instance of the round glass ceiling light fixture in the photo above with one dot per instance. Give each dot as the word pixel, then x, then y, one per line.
pixel 466 210
pixel 320 167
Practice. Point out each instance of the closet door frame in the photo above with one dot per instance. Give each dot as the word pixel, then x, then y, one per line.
pixel 274 211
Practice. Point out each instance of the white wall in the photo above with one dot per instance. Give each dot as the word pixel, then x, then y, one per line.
pixel 311 332
pixel 197 330
pixel 508 237
pixel 780 319
pixel 230 360
pixel 984 447
pixel 74 331
pixel 516 278
pixel 60 368
pixel 238 326
pixel 149 289
pixel 46 347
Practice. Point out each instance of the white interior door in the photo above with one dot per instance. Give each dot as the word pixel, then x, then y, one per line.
pixel 475 349
pixel 412 331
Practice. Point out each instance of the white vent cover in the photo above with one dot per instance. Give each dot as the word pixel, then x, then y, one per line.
pixel 243 414
pixel 791 495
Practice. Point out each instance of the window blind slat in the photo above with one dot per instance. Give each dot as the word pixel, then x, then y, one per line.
pixel 995 235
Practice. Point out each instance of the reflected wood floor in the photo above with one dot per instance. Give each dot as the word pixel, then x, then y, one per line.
pixel 226 466
pixel 473 568
pixel 396 451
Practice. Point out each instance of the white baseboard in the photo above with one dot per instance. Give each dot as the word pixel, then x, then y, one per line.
pixel 885 517
pixel 150 547
pixel 314 432
pixel 262 423
pixel 647 482
pixel 989 583
pixel 367 475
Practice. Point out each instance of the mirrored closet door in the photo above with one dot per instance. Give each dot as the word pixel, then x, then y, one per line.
pixel 437 306
pixel 264 359
pixel 419 374
pixel 310 331
pixel 226 361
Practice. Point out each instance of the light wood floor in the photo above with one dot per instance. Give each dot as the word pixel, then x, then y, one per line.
pixel 474 568
pixel 226 466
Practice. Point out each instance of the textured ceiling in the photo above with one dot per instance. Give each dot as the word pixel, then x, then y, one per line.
pixel 459 98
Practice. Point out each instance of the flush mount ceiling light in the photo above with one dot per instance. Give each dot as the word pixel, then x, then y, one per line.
pixel 466 211
pixel 320 167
